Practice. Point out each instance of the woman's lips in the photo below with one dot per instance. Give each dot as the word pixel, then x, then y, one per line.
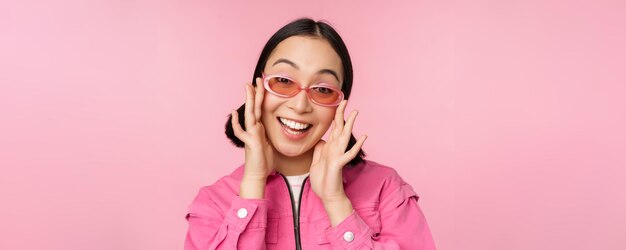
pixel 291 133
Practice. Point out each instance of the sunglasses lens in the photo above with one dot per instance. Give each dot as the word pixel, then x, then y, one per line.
pixel 283 86
pixel 324 95
pixel 287 88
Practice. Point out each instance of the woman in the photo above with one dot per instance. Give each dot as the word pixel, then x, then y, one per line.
pixel 293 190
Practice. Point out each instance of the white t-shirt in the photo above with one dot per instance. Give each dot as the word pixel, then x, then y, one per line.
pixel 295 181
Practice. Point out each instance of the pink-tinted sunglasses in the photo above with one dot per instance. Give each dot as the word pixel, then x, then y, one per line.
pixel 322 94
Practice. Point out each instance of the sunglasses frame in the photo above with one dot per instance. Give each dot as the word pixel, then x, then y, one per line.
pixel 266 84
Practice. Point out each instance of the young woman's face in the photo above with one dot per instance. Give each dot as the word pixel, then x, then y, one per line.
pixel 308 61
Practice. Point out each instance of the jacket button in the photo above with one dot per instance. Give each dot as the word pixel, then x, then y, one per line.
pixel 348 236
pixel 242 213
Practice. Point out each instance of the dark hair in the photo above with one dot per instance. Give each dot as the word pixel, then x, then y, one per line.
pixel 311 28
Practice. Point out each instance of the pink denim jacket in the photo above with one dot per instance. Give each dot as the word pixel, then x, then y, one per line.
pixel 386 215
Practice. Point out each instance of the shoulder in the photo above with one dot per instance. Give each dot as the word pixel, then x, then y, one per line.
pixel 380 181
pixel 220 193
pixel 373 172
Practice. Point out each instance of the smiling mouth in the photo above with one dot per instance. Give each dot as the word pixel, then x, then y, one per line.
pixel 294 127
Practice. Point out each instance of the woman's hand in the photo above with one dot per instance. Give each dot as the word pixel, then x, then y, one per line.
pixel 329 158
pixel 259 152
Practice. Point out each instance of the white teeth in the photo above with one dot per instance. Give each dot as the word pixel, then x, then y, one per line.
pixel 294 125
pixel 293 132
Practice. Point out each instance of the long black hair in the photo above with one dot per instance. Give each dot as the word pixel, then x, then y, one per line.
pixel 311 28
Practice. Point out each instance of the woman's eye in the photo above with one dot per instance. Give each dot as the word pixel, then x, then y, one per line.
pixel 323 90
pixel 283 80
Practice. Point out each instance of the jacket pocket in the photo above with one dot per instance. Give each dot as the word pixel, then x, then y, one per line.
pixel 271 232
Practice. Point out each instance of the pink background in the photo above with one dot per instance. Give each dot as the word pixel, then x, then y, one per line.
pixel 507 117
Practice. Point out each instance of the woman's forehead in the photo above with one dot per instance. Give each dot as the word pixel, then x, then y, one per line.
pixel 308 55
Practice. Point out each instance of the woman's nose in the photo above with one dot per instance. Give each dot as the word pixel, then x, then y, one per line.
pixel 300 103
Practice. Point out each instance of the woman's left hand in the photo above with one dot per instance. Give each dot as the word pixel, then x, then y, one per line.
pixel 330 157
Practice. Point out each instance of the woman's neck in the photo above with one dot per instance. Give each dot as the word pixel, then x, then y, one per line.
pixel 297 165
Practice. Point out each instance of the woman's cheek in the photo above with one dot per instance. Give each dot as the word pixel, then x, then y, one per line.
pixel 326 122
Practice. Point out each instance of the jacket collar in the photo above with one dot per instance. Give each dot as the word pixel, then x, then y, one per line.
pixel 343 175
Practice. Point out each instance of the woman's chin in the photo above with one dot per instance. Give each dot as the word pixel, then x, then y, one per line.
pixel 290 151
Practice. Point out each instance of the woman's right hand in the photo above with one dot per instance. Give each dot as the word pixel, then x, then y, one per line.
pixel 259 152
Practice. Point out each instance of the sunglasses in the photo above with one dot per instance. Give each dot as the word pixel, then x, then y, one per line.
pixel 322 94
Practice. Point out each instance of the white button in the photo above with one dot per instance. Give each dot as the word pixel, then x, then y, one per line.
pixel 242 213
pixel 348 236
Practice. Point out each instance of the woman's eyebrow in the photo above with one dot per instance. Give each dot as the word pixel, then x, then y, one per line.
pixel 294 65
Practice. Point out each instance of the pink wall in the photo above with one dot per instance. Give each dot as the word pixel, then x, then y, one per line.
pixel 507 117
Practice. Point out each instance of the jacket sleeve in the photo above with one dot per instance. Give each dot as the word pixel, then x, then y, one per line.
pixel 403 226
pixel 242 226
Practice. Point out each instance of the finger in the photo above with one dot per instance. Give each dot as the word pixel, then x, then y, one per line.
pixel 332 134
pixel 248 112
pixel 258 100
pixel 234 120
pixel 347 129
pixel 339 118
pixel 355 149
pixel 317 152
